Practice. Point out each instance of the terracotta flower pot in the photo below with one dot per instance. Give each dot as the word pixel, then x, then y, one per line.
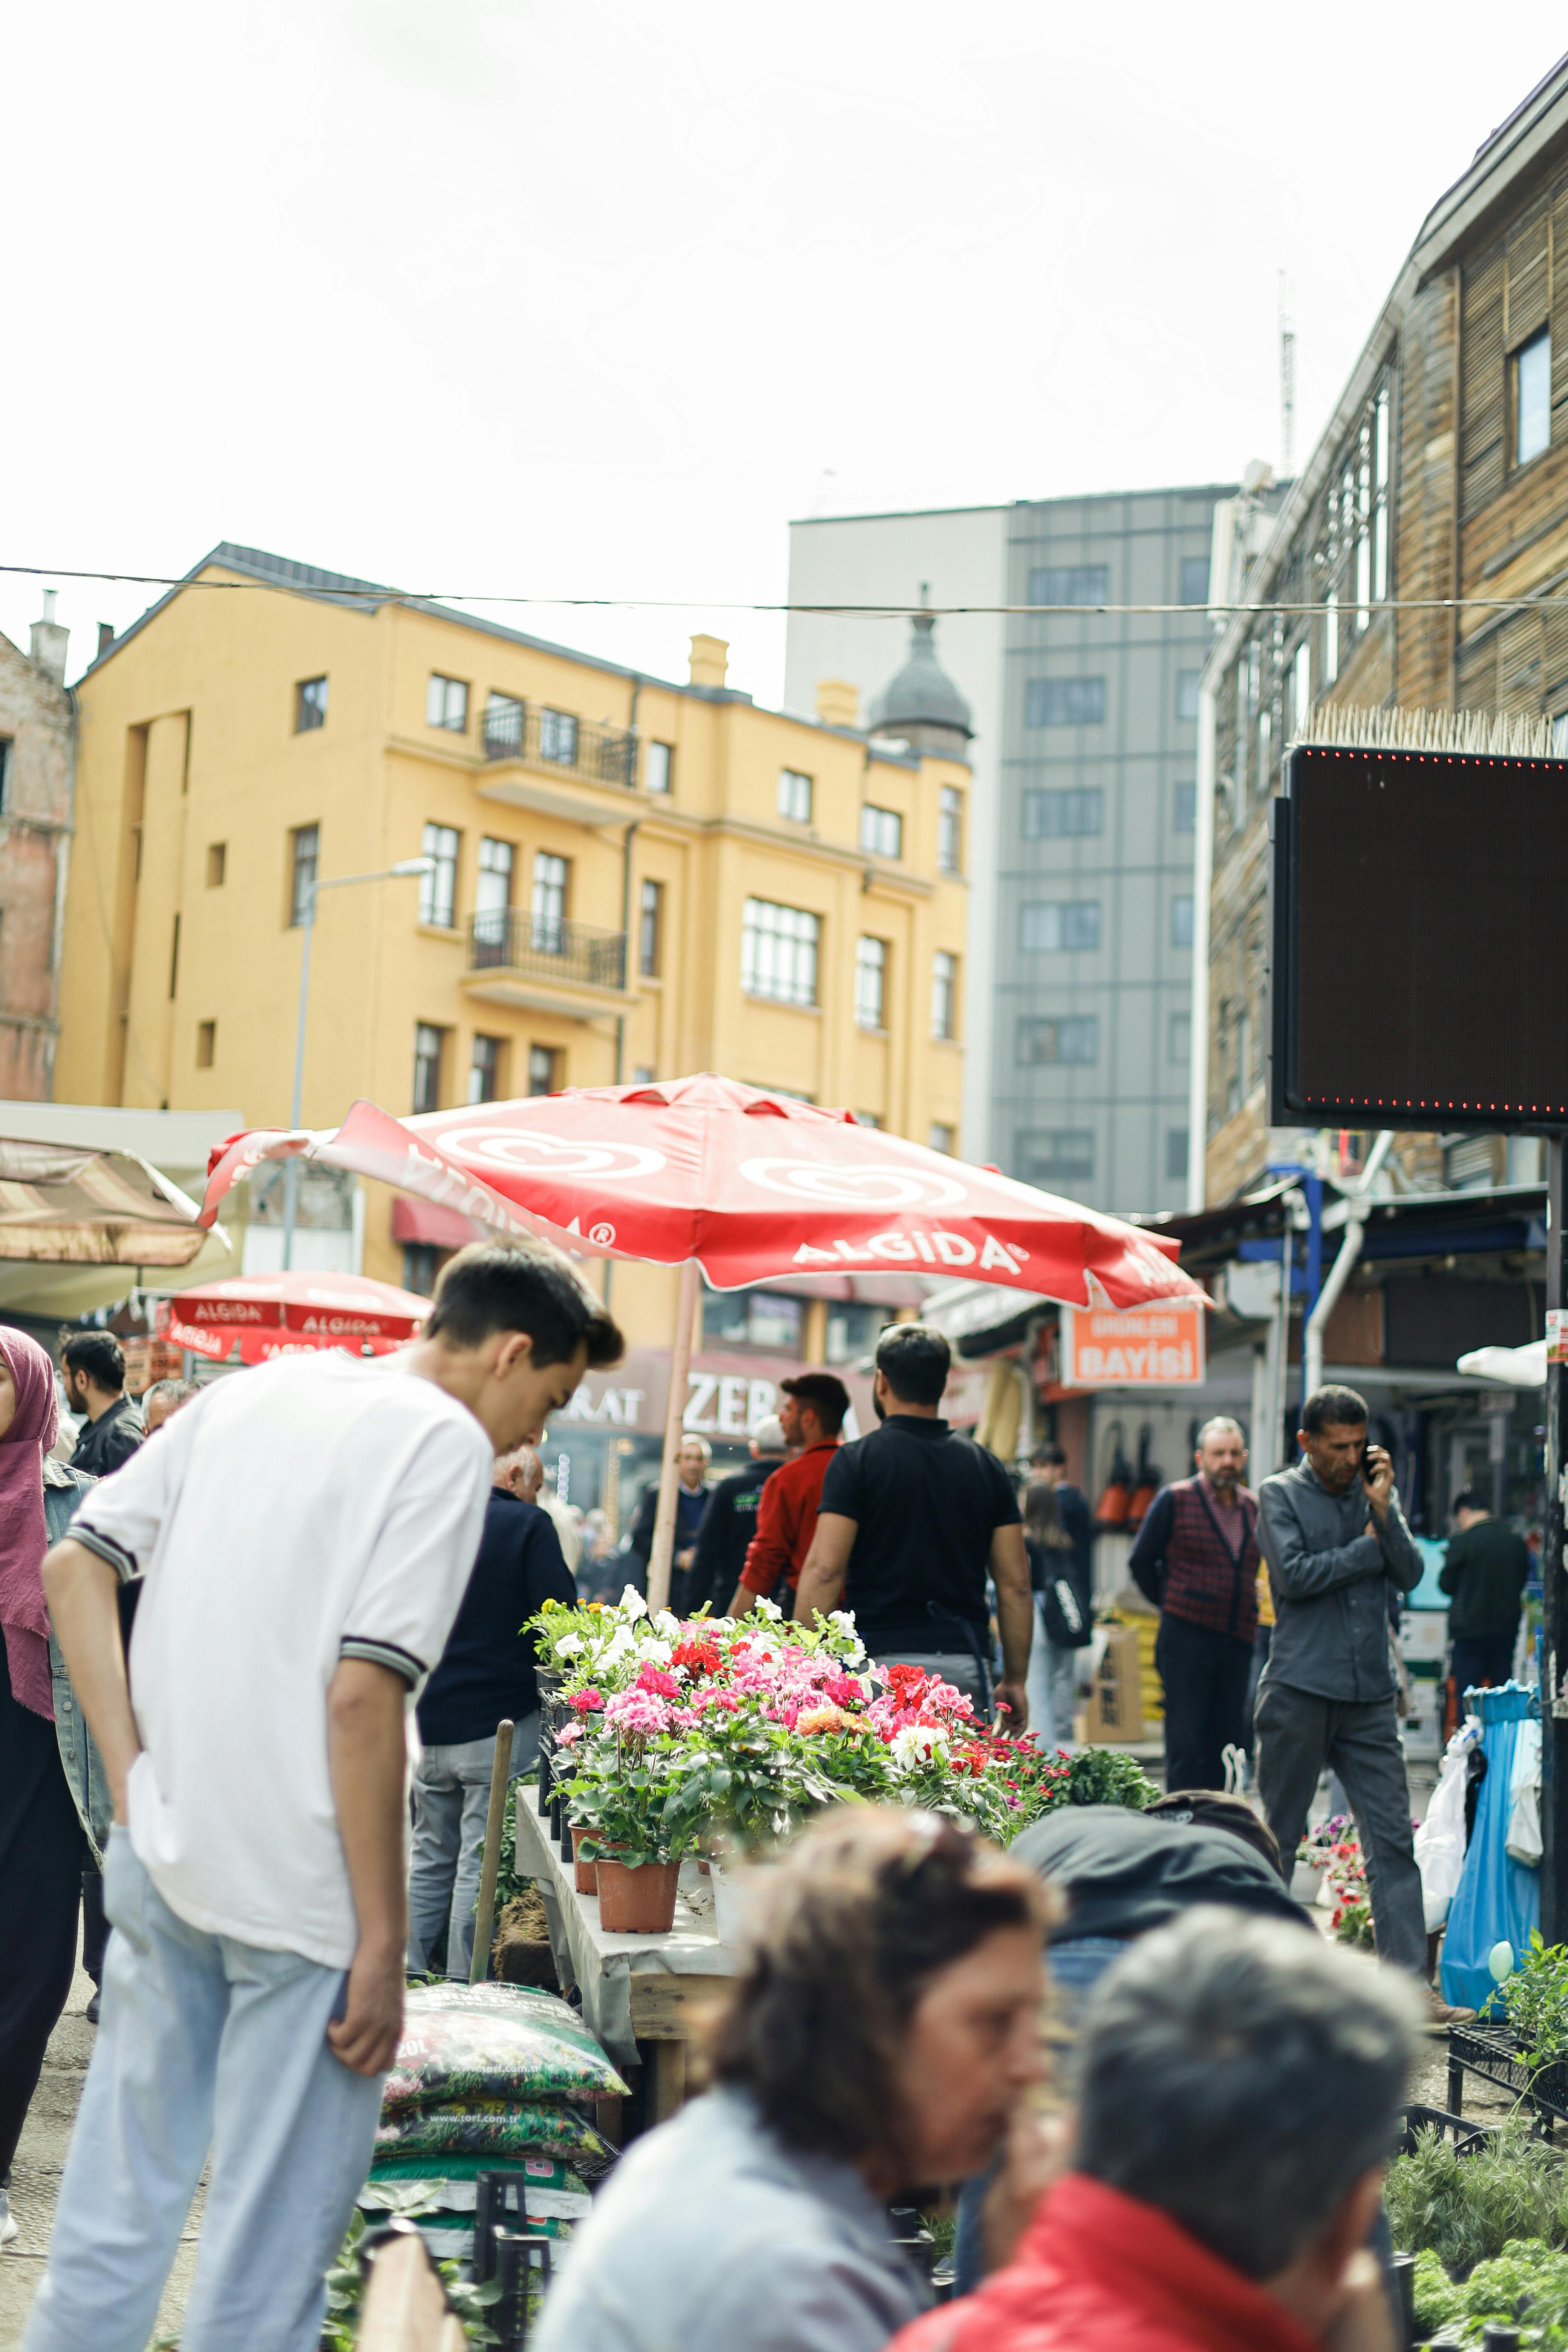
pixel 585 1874
pixel 637 1898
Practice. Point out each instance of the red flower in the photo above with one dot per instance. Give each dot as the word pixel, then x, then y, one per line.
pixel 698 1657
pixel 586 1701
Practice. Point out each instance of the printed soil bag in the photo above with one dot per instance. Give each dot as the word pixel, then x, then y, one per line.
pixel 495 2127
pixel 493 2041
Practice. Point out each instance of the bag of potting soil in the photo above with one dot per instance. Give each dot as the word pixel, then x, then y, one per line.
pixel 497 2127
pixel 493 2041
pixel 541 2174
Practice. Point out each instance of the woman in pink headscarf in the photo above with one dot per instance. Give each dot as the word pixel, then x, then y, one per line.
pixel 40 1834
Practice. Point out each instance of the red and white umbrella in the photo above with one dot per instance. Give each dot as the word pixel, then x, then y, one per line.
pixel 705 1173
pixel 268 1315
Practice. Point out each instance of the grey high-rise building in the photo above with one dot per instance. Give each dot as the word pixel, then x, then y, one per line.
pixel 1077 1002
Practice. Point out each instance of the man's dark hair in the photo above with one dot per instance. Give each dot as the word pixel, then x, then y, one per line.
pixel 508 1287
pixel 1341 1406
pixel 1049 1458
pixel 1243 2077
pixel 914 1360
pixel 870 1905
pixel 1470 1501
pixel 826 1395
pixel 99 1355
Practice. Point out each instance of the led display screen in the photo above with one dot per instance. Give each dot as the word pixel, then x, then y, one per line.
pixel 1419 925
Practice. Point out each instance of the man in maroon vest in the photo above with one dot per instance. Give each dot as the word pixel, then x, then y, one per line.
pixel 1196 1558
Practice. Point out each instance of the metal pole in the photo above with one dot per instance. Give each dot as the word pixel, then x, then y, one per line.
pixel 1554 1702
pixel 663 1551
pixel 291 1166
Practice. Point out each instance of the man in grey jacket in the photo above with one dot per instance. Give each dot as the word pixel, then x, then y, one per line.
pixel 1337 1547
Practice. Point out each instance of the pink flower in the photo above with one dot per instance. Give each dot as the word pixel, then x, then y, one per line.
pixel 638 1712
pixel 843 1690
pixel 569 1735
pixel 652 1678
pixel 586 1701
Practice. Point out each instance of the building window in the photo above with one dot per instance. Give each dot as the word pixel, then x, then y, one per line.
pixel 1187 683
pixel 503 727
pixel 1176 1154
pixel 1069 583
pixel 1380 487
pixel 543 1070
pixel 650 929
pixel 1074 1038
pixel 795 796
pixel 852 1329
pixel 492 892
pixel 558 738
pixel 485 1069
pixel 422 1263
pixel 447 704
pixel 950 831
pixel 881 832
pixel 1179 1039
pixel 206 1044
pixel 1532 403
pixel 1185 817
pixel 871 980
pixel 217 862
pixel 1050 815
pixel 778 952
pixel 944 994
pixel 439 885
pixel 1065 702
pixel 1054 1156
pixel 310 705
pixel 1194 580
pixel 657 766
pixel 547 903
pixel 303 842
pixel 752 1318
pixel 1054 926
pixel 1182 922
pixel 869 1118
pixel 428 1041
pixel 942 1137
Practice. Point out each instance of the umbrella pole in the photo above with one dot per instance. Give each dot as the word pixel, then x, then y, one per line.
pixel 674 1424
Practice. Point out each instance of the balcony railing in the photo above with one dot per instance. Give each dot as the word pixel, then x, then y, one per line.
pixel 557 739
pixel 548 948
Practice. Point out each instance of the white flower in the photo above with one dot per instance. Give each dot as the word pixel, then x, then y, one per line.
pixel 570 1645
pixel 918 1743
pixel 659 1652
pixel 668 1624
pixel 618 1647
pixel 765 1608
pixel 849 1644
pixel 633 1605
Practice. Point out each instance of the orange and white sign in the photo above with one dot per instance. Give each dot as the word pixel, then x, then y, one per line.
pixel 1157 1346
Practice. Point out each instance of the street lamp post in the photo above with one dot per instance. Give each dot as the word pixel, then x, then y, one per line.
pixel 404 867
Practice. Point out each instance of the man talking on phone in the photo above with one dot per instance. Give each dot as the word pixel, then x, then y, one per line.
pixel 1339 1551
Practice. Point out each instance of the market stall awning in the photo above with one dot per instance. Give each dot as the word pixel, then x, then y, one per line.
pixel 266 1315
pixel 1515 1368
pixel 75 1205
pixel 746 1184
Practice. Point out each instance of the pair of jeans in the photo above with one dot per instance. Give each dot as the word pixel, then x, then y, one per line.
pixel 1204 1676
pixel 204 2042
pixel 1050 1687
pixel 451 1799
pixel 1299 1733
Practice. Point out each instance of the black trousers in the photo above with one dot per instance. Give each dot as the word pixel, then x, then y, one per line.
pixel 41 1849
pixel 1485 1661
pixel 1206 1677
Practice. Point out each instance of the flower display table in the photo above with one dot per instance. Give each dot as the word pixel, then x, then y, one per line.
pixel 638 1990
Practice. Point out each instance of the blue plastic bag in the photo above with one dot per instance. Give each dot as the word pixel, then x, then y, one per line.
pixel 1497 1899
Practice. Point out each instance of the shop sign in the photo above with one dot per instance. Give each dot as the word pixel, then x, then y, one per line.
pixel 1557 1334
pixel 725 1397
pixel 1158 1347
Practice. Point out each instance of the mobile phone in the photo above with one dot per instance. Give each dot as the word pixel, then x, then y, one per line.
pixel 1368 1471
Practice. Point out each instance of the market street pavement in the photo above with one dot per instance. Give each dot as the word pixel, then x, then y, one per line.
pixel 35 2177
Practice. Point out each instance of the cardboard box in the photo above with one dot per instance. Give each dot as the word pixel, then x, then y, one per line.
pixel 1115 1704
pixel 1423 1633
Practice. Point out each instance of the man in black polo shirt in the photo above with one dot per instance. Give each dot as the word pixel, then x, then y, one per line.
pixel 912 1519
pixel 485 1672
pixel 95 1385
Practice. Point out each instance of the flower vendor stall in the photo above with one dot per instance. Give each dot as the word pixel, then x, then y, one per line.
pixel 673 1753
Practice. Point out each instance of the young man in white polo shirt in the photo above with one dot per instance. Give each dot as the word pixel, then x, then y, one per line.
pixel 304 1536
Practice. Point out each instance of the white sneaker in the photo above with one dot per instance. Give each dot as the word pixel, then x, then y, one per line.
pixel 9 2228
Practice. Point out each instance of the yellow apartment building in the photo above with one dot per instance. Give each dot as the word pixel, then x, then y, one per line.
pixel 631 877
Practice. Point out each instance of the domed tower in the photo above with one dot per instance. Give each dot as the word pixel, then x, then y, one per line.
pixel 921 704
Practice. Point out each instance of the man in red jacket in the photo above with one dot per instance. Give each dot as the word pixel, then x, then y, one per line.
pixel 1239 2098
pixel 812 1414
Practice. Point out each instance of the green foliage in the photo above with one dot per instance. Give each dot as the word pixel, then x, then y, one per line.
pixel 1104 1775
pixel 346 2281
pixel 1534 2001
pixel 1468 2209
pixel 1525 2287
pixel 1438 2301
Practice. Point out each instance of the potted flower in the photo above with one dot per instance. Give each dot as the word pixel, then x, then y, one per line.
pixel 622 1776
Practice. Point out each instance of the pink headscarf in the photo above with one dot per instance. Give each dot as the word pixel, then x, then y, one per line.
pixel 23 1542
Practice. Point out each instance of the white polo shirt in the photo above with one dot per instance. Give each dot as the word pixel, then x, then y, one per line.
pixel 318 1508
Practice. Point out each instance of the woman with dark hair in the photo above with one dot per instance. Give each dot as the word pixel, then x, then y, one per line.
pixel 885 2028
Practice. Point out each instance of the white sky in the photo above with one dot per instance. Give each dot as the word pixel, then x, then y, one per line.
pixel 491 296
